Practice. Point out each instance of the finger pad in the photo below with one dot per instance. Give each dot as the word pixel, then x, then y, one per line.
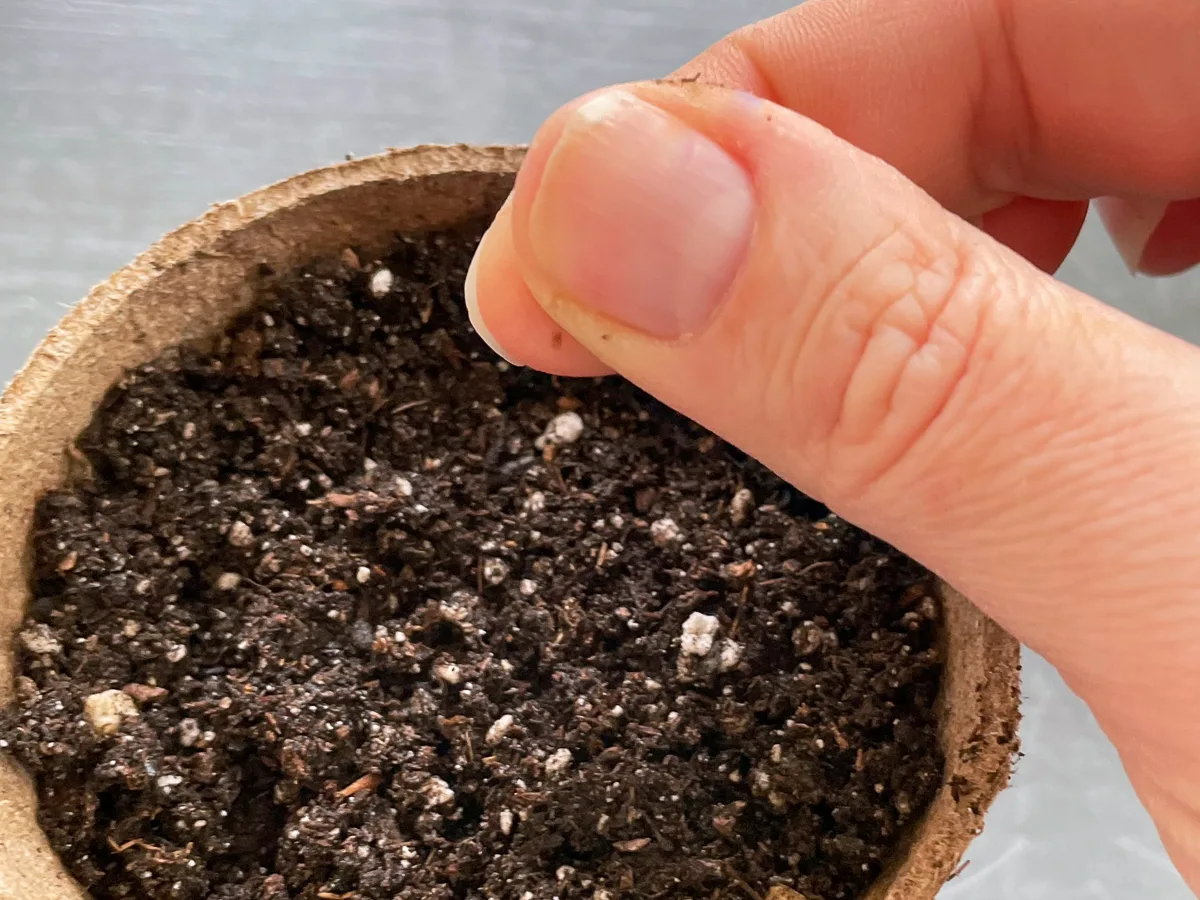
pixel 1174 246
pixel 519 324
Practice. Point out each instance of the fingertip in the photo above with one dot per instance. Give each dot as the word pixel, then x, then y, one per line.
pixel 505 314
pixel 478 322
pixel 1154 237
pixel 1174 245
pixel 1130 224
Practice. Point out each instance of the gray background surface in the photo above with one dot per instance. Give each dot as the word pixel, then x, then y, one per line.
pixel 120 119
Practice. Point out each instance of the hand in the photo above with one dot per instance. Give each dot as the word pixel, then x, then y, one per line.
pixel 867 309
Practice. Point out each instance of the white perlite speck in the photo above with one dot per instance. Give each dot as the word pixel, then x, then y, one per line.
pixel 190 733
pixel 760 781
pixel 528 587
pixel 495 571
pixel 240 534
pixel 731 655
pixel 363 575
pixel 563 429
pixel 559 762
pixel 665 532
pixel 699 631
pixel 228 581
pixel 740 506
pixel 436 793
pixel 499 729
pixel 506 822
pixel 107 710
pixel 40 639
pixel 381 283
pixel 447 673
pixel 403 486
pixel 701 655
pixel 535 503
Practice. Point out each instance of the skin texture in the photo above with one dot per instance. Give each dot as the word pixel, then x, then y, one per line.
pixel 886 335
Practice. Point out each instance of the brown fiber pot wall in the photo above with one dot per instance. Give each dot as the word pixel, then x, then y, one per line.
pixel 194 280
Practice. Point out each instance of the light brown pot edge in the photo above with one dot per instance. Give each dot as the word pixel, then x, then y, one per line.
pixel 979 721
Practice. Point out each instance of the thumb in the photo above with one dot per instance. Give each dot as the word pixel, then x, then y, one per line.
pixel 806 302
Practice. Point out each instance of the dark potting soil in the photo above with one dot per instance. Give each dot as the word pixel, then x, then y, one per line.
pixel 345 608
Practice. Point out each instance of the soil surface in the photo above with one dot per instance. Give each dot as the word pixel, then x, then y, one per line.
pixel 342 607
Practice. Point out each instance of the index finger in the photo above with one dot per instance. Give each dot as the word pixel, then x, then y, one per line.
pixel 979 101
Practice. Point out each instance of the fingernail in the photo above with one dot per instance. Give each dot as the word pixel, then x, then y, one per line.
pixel 471 292
pixel 1131 224
pixel 641 217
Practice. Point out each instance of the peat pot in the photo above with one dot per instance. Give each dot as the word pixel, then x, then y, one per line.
pixel 194 280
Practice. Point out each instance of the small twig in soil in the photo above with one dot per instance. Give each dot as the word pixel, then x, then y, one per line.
pixel 737 619
pixel 602 556
pixel 161 855
pixel 325 895
pixel 368 782
pixel 839 738
pixel 635 846
pixel 412 404
pixel 341 501
pixel 129 845
pixel 814 566
pixel 692 599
